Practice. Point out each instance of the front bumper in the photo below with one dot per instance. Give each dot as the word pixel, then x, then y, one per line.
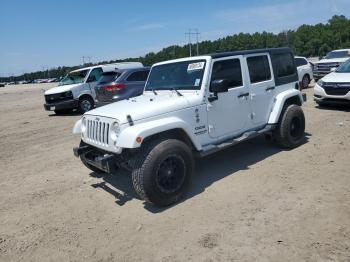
pixel 68 104
pixel 321 96
pixel 97 158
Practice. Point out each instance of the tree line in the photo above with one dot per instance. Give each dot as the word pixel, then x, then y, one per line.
pixel 306 40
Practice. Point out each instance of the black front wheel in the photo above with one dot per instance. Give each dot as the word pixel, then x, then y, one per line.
pixel 162 171
pixel 290 131
pixel 85 104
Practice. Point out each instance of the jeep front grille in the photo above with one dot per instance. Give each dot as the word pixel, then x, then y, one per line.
pixel 98 132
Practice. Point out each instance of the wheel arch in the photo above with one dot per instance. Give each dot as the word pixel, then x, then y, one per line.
pixel 290 97
pixel 171 127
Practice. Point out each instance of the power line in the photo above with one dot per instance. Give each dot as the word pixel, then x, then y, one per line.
pixel 189 34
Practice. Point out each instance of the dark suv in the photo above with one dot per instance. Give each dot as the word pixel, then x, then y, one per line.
pixel 120 84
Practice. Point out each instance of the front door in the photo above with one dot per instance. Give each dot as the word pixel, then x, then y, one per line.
pixel 92 79
pixel 262 87
pixel 229 114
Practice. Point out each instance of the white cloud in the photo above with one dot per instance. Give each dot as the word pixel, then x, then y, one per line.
pixel 282 16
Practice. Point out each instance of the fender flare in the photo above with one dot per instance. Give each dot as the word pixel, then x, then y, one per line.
pixel 127 137
pixel 77 127
pixel 279 102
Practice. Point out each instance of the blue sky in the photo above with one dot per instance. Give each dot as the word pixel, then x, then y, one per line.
pixel 39 34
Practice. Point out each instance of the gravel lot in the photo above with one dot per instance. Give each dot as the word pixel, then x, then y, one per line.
pixel 253 202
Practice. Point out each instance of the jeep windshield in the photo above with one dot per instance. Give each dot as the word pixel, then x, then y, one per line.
pixel 344 68
pixel 338 54
pixel 76 77
pixel 185 75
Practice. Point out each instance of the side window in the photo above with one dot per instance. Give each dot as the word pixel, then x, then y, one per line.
pixel 283 64
pixel 138 76
pixel 300 61
pixel 95 74
pixel 259 68
pixel 229 70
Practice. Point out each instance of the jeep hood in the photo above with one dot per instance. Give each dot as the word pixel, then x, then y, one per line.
pixel 334 60
pixel 61 89
pixel 335 77
pixel 147 105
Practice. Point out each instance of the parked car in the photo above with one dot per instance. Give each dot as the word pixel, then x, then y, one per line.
pixel 305 73
pixel 120 84
pixel 334 88
pixel 2 84
pixel 77 89
pixel 193 106
pixel 332 60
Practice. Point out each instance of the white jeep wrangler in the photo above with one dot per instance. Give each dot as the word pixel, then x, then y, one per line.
pixel 193 106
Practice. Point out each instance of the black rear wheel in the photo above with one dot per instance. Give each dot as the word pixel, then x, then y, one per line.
pixel 305 81
pixel 290 131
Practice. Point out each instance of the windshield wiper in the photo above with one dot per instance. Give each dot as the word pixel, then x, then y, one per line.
pixel 152 89
pixel 177 91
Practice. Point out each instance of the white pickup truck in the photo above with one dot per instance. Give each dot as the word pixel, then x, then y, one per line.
pixel 77 89
pixel 193 107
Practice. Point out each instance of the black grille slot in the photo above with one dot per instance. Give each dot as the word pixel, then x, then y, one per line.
pixel 336 89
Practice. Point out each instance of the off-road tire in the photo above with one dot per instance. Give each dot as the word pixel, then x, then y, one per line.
pixel 147 167
pixel 290 131
pixel 82 104
pixel 305 82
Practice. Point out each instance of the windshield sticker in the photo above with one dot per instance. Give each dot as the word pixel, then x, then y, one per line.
pixel 197 82
pixel 195 66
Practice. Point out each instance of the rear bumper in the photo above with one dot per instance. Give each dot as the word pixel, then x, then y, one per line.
pixel 68 104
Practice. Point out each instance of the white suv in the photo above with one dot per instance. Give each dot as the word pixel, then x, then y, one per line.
pixel 193 106
pixel 334 88
pixel 304 68
pixel 77 89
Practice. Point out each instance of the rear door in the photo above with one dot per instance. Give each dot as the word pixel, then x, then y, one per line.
pixel 262 87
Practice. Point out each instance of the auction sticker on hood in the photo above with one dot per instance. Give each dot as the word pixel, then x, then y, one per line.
pixel 195 66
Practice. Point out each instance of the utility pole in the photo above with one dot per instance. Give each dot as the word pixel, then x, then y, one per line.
pixel 190 33
pixel 86 59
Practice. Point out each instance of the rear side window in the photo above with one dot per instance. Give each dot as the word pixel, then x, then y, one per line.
pixel 138 76
pixel 300 61
pixel 284 64
pixel 259 68
pixel 229 70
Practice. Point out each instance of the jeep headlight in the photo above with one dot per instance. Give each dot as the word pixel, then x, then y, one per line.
pixel 115 129
pixel 83 125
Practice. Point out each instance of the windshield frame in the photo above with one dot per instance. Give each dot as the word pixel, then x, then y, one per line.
pixel 178 87
pixel 72 82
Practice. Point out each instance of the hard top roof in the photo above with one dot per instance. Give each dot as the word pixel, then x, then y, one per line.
pixel 253 51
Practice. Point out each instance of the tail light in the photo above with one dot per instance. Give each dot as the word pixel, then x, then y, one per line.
pixel 114 87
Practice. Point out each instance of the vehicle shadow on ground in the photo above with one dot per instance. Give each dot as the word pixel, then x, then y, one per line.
pixel 73 113
pixel 344 108
pixel 208 170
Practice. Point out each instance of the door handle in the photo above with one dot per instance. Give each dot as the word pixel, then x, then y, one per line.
pixel 270 88
pixel 243 95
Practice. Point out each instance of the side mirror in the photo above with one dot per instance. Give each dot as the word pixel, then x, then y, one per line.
pixel 333 69
pixel 219 86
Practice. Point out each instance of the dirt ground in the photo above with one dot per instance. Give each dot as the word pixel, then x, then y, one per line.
pixel 253 202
